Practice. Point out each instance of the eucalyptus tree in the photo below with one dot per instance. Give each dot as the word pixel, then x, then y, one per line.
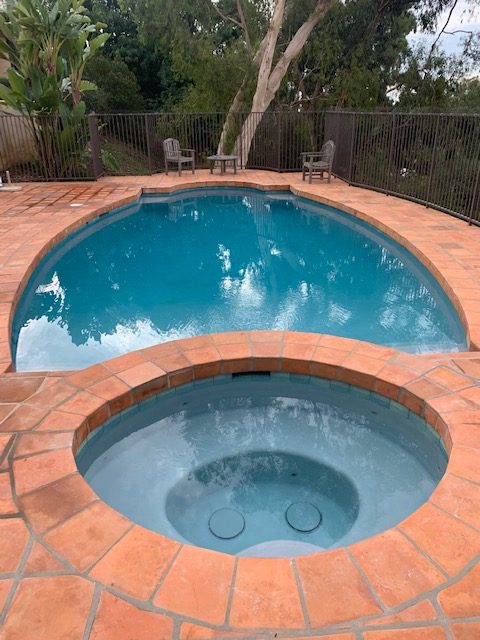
pixel 341 51
pixel 273 68
pixel 242 56
pixel 260 38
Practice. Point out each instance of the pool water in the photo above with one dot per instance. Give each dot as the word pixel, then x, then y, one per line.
pixel 217 260
pixel 265 465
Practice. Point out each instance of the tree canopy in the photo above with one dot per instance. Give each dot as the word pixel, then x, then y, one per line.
pixel 195 55
pixel 150 61
pixel 357 56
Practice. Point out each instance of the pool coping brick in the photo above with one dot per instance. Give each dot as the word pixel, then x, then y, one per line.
pixel 419 580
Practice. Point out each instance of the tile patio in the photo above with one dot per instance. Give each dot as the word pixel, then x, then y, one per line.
pixel 72 568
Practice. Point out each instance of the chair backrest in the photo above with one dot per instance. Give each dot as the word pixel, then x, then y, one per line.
pixel 328 151
pixel 171 148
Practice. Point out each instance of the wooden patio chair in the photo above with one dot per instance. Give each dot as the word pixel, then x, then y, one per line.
pixel 318 161
pixel 178 157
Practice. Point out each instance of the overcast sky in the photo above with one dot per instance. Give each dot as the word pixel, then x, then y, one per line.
pixel 462 18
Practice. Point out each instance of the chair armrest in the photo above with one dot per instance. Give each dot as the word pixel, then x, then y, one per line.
pixel 312 154
pixel 191 151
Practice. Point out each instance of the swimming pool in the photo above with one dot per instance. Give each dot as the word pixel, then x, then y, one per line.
pixel 265 464
pixel 221 259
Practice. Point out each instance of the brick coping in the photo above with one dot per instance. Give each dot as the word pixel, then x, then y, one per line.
pixel 380 581
pixel 51 218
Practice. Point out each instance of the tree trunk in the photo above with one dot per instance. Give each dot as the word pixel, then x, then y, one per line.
pixel 244 140
pixel 238 101
pixel 231 119
pixel 268 81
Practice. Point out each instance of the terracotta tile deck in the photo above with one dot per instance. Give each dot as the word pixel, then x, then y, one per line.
pixel 72 568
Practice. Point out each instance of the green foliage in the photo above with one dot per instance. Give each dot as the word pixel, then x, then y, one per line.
pixel 467 97
pixel 349 60
pixel 210 81
pixel 47 48
pixel 110 161
pixel 149 60
pixel 193 55
pixel 434 158
pixel 206 56
pixel 428 80
pixel 356 55
pixel 48 45
pixel 346 62
pixel 117 87
pixel 118 159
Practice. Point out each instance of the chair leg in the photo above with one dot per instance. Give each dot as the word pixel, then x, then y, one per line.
pixel 310 172
pixel 193 166
pixel 329 176
pixel 303 173
pixel 166 168
pixel 179 168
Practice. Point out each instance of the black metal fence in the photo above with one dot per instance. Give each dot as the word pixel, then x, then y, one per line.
pixel 132 143
pixel 433 159
pixel 42 148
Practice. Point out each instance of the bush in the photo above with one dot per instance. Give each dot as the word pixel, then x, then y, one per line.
pixel 117 86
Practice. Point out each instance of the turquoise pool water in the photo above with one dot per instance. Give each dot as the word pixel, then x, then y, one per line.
pixel 213 260
pixel 270 464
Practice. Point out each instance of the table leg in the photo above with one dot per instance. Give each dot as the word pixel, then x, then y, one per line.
pixel 222 167
pixel 235 166
pixel 212 164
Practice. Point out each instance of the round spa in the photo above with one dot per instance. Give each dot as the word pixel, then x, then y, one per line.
pixel 265 464
pixel 213 260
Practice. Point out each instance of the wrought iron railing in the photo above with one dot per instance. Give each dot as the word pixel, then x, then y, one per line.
pixel 43 148
pixel 433 158
pixel 136 140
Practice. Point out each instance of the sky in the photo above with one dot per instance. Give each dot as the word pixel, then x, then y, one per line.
pixel 461 19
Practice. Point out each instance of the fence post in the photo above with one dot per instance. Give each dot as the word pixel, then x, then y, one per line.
pixel 281 124
pixel 240 137
pixel 475 197
pixel 432 162
pixel 390 156
pixel 147 139
pixel 95 146
pixel 353 130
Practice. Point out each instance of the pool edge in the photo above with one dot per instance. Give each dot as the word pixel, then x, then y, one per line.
pixel 449 277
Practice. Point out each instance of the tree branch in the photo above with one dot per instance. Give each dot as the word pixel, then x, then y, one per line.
pixel 432 48
pixel 296 44
pixel 224 15
pixel 231 116
pixel 267 47
pixel 452 33
pixel 243 24
pixel 394 88
pixel 373 25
